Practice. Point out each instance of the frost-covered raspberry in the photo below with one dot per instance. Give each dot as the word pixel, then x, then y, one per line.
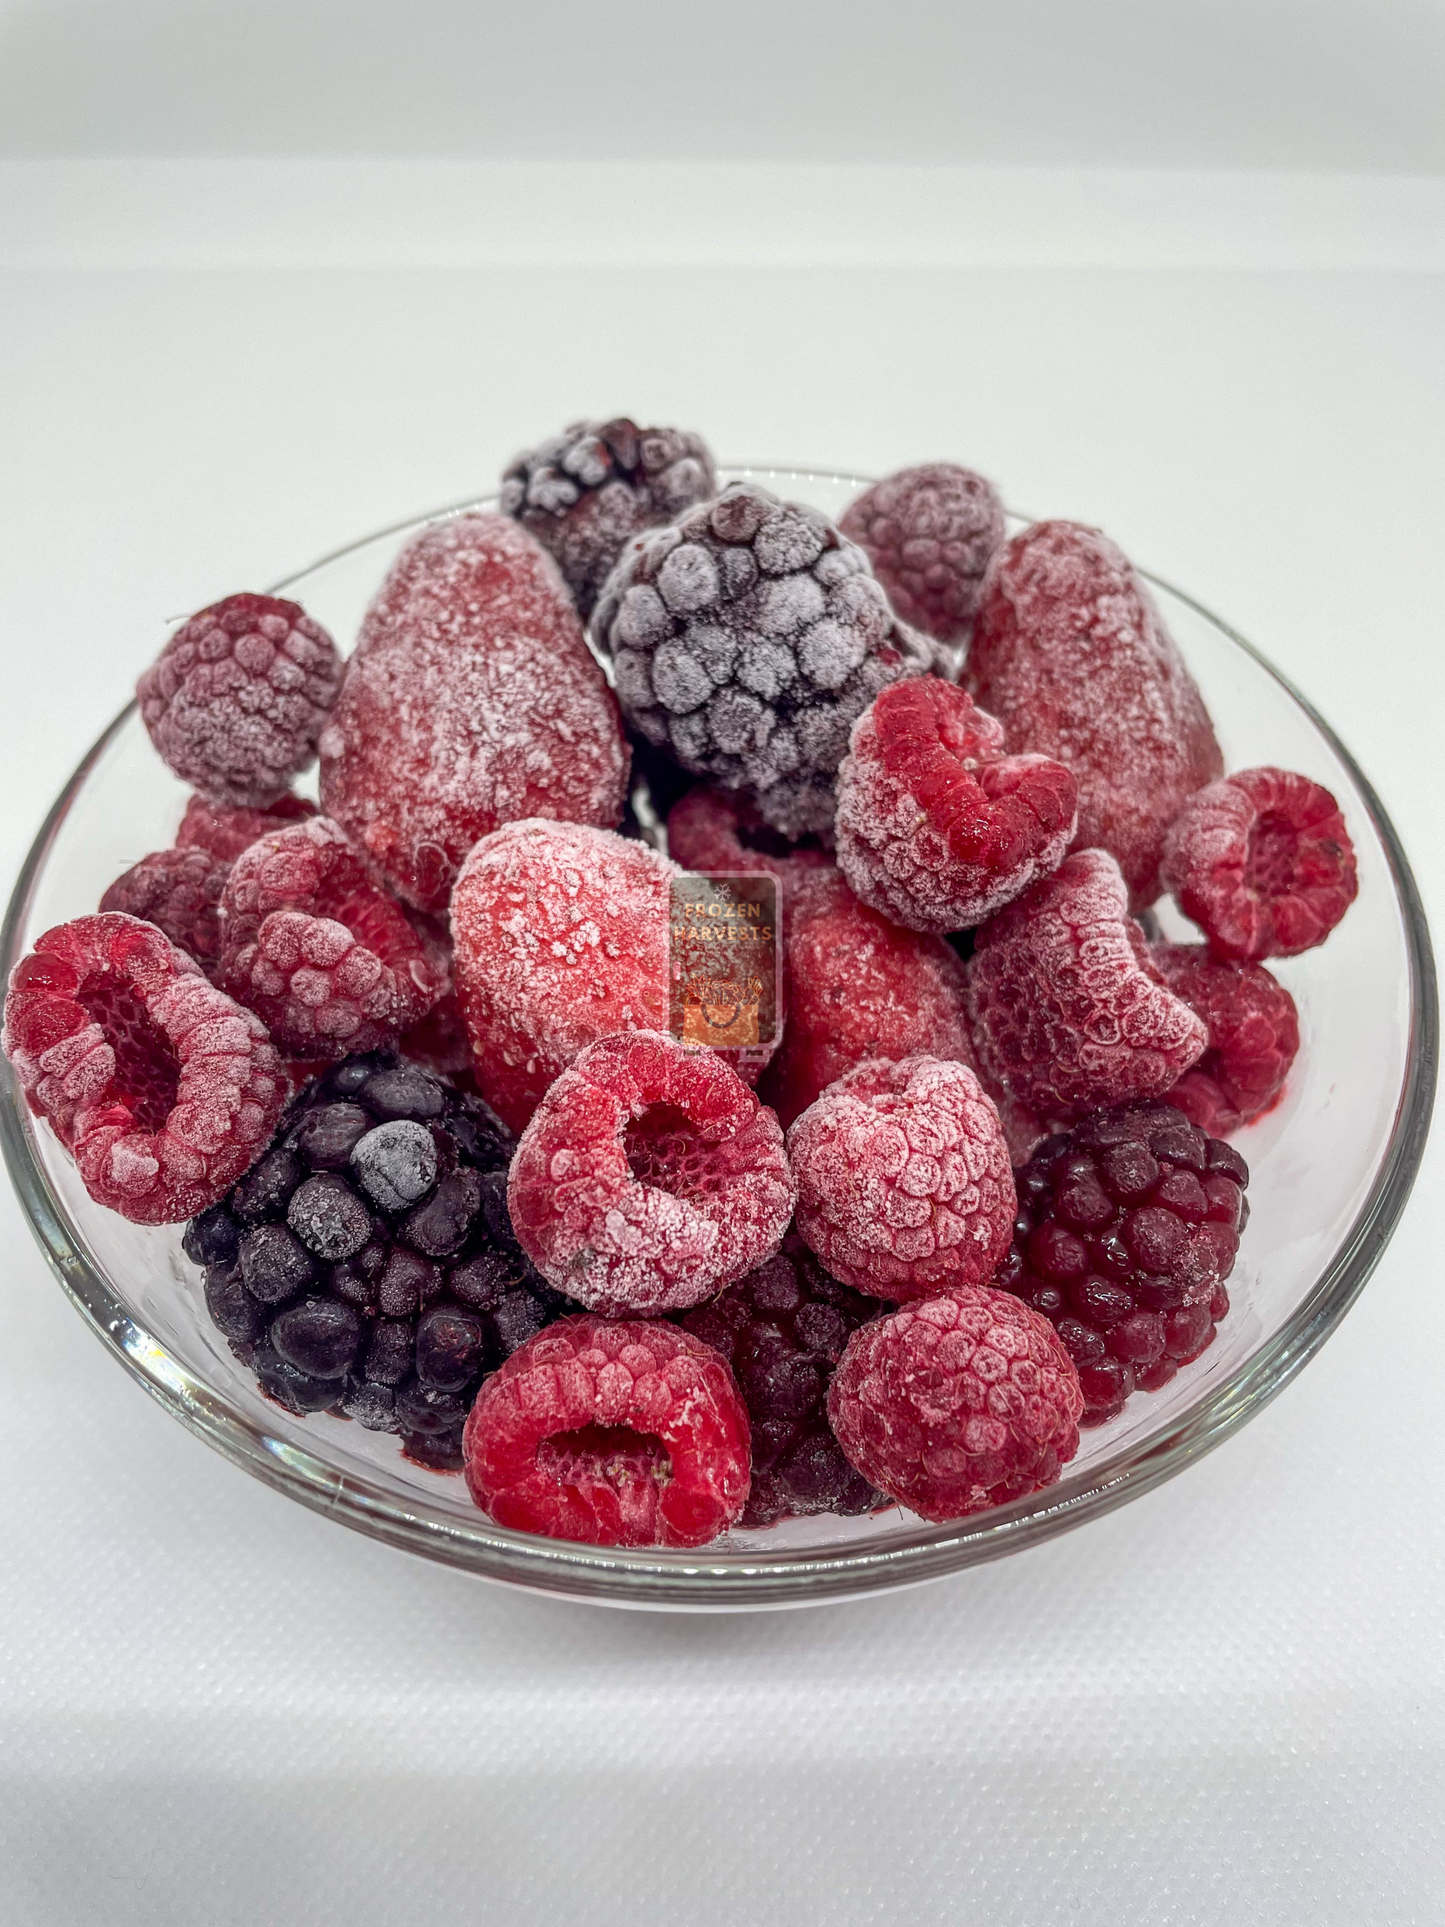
pixel 236 700
pixel 929 533
pixel 1068 1010
pixel 225 832
pixel 585 493
pixel 163 1089
pixel 1262 862
pixel 179 891
pixel 1128 1227
pixel 1253 1036
pixel 1071 655
pixel 315 949
pixel 747 638
pixel 903 1175
pixel 649 1177
pixel 936 827
pixel 717 830
pixel 957 1403
pixel 858 986
pixel 782 1329
pixel 470 701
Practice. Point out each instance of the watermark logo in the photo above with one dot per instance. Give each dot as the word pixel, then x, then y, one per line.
pixel 725 962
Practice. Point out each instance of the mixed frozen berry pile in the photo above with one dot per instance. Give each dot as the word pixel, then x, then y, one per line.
pixel 400 1059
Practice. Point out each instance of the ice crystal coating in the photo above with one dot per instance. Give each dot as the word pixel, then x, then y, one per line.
pixel 929 533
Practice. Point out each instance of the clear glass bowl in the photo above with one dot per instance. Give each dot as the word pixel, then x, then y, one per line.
pixel 1331 1168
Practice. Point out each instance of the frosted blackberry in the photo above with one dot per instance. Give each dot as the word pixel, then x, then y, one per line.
pixel 366 1264
pixel 746 640
pixel 585 493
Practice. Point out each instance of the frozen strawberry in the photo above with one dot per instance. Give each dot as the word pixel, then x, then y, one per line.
pixel 718 832
pixel 1262 862
pixel 163 1089
pixel 1253 1036
pixel 859 987
pixel 1070 654
pixel 936 827
pixel 929 533
pixel 225 832
pixel 649 1177
pixel 179 891
pixel 1069 1012
pixel 470 701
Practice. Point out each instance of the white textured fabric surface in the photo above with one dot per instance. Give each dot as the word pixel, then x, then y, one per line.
pixel 1225 1703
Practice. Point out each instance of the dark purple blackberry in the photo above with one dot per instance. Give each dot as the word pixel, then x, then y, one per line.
pixel 782 1328
pixel 746 640
pixel 1128 1227
pixel 366 1263
pixel 589 490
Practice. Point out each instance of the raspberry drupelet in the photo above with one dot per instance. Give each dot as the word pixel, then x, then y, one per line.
pixel 585 493
pixel 161 1087
pixel 957 1403
pixel 236 700
pixel 929 533
pixel 225 832
pixel 1262 862
pixel 1068 1009
pixel 310 944
pixel 649 1177
pixel 1128 1227
pixel 936 827
pixel 179 891
pixel 746 639
pixel 716 830
pixel 470 701
pixel 1071 655
pixel 904 1181
pixel 1253 1036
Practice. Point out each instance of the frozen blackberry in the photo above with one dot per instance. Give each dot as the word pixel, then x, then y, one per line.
pixel 746 640
pixel 585 493
pixel 782 1328
pixel 366 1263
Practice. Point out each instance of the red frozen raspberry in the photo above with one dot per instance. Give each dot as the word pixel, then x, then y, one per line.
pixel 1071 655
pixel 649 1178
pixel 314 948
pixel 1069 1012
pixel 469 701
pixel 1253 1036
pixel 957 1403
pixel 179 891
pixel 936 827
pixel 226 832
pixel 164 1090
pixel 929 533
pixel 237 698
pixel 1262 862
pixel 717 831
pixel 1128 1227
pixel 859 987
pixel 615 1434
pixel 904 1181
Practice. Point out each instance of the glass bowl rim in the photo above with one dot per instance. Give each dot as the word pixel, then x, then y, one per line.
pixel 722 1581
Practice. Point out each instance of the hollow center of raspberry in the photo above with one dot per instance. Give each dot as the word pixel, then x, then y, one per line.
pixel 665 1151
pixel 147 1074
pixel 610 1455
pixel 1272 849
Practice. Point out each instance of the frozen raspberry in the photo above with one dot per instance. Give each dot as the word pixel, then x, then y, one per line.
pixel 1253 1036
pixel 163 1089
pixel 859 987
pixel 903 1175
pixel 179 891
pixel 1262 862
pixel 626 1434
pixel 226 832
pixel 649 1178
pixel 1128 1227
pixel 585 493
pixel 1070 654
pixel 957 1403
pixel 1068 1010
pixel 782 1329
pixel 929 533
pixel 469 701
pixel 936 827
pixel 313 947
pixel 237 698
pixel 746 639
pixel 717 831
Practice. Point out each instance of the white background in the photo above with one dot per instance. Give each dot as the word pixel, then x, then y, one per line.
pixel 273 275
